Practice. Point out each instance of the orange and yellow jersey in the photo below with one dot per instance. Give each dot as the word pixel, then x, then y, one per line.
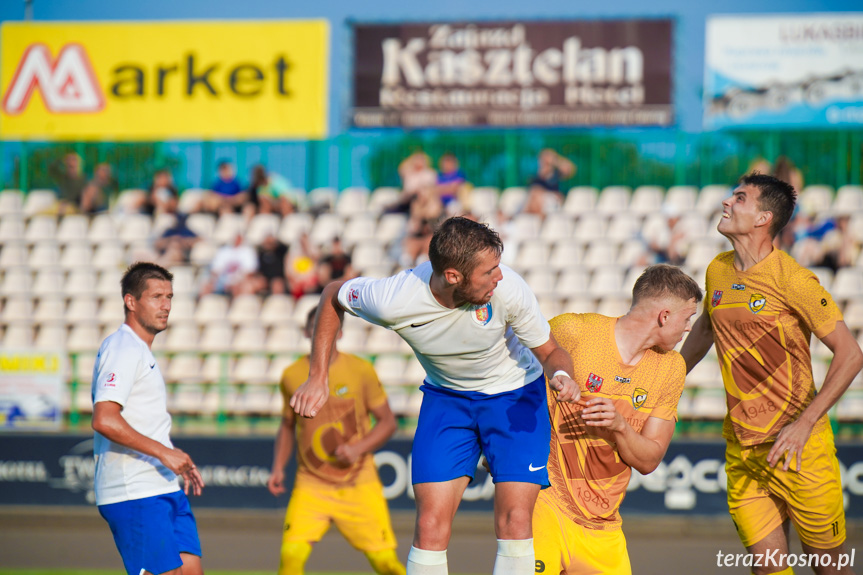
pixel 588 477
pixel 354 391
pixel 763 319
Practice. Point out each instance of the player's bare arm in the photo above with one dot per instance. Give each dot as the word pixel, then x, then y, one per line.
pixel 108 421
pixel 312 395
pixel 846 364
pixel 282 451
pixel 350 453
pixel 555 359
pixel 641 451
pixel 698 342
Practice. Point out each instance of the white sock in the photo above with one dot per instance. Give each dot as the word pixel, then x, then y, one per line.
pixel 424 562
pixel 514 557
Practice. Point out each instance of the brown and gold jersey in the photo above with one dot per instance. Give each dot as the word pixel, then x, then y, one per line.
pixel 588 477
pixel 763 319
pixel 354 390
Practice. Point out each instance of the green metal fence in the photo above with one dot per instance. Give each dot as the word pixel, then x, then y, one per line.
pixel 501 159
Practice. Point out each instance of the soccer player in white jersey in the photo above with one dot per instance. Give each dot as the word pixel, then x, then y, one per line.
pixel 136 484
pixel 477 330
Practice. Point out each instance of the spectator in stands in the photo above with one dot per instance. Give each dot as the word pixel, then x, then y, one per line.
pixel 232 269
pixel 342 487
pixel 226 194
pixel 162 195
pixel 426 214
pixel 272 263
pixel 271 193
pixel 68 176
pixel 302 272
pixel 544 194
pixel 785 170
pixel 98 190
pixel 175 244
pixel 839 246
pixel 665 238
pixel 451 182
pixel 336 264
pixel 759 164
pixel 417 177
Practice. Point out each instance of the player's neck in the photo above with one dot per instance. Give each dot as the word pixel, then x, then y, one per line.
pixel 632 339
pixel 443 292
pixel 749 250
pixel 140 331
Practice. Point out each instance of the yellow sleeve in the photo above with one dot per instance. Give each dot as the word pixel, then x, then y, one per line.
pixel 372 388
pixel 669 397
pixel 808 299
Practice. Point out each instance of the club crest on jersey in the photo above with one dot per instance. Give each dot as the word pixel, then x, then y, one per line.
pixel 482 315
pixel 738 287
pixel 717 297
pixel 353 295
pixel 594 383
pixel 757 302
pixel 639 396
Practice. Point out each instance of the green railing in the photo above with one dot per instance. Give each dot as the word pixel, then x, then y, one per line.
pixel 501 159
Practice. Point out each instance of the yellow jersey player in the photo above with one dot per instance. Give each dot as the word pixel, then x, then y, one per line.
pixel 631 381
pixel 337 481
pixel 760 311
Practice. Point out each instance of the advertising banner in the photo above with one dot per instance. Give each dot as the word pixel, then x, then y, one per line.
pixel 31 388
pixel 159 80
pixel 794 69
pixel 570 73
pixel 52 469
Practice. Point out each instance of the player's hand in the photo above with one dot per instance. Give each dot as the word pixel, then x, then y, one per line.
pixel 276 482
pixel 567 390
pixel 310 398
pixel 790 443
pixel 347 454
pixel 180 463
pixel 601 412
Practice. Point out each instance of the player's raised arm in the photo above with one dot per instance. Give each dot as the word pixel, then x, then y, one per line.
pixel 312 395
pixel 557 365
pixel 698 342
pixel 846 364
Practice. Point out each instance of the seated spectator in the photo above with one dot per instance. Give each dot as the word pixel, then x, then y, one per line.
pixel 271 193
pixel 226 194
pixel 232 269
pixel 785 170
pixel 336 265
pixel 426 214
pixel 302 272
pixel 162 195
pixel 451 182
pixel 175 244
pixel 544 195
pixel 665 239
pixel 95 196
pixel 417 176
pixel 839 245
pixel 272 263
pixel 69 179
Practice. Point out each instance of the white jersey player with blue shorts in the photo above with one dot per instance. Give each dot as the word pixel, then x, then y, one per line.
pixel 136 482
pixel 477 330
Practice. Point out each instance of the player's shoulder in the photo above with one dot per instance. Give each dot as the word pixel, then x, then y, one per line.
pixel 299 368
pixel 577 321
pixel 356 362
pixel 722 260
pixel 124 341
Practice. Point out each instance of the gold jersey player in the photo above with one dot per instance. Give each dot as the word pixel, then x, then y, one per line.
pixel 760 310
pixel 337 481
pixel 631 381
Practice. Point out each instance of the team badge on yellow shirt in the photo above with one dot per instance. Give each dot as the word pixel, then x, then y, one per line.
pixel 639 396
pixel 717 297
pixel 594 383
pixel 757 302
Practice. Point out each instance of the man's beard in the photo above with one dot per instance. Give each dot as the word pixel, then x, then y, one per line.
pixel 462 292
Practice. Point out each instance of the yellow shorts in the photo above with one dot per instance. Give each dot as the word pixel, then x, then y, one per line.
pixel 359 512
pixel 563 546
pixel 761 497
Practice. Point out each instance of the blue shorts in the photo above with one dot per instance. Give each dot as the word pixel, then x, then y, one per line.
pixel 512 429
pixel 150 533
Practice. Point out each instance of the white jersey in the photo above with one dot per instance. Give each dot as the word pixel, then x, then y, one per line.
pixel 470 348
pixel 126 373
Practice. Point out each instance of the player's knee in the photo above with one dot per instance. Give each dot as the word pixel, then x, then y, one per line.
pixel 386 562
pixel 514 524
pixel 294 556
pixel 433 531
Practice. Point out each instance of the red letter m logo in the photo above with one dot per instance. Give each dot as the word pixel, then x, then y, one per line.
pixel 68 83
